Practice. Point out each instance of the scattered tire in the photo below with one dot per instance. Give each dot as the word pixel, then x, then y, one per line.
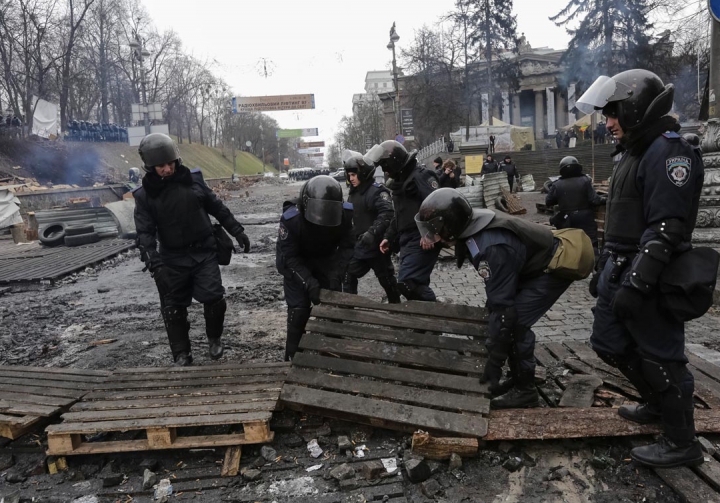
pixel 502 204
pixel 52 235
pixel 546 187
pixel 76 230
pixel 82 239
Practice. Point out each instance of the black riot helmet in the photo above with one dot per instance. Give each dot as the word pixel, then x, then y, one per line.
pixel 634 97
pixel 569 167
pixel 391 156
pixel 354 162
pixel 446 214
pixel 157 149
pixel 321 201
pixel 692 139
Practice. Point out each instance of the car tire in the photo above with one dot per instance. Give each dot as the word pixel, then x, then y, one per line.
pixel 76 230
pixel 82 239
pixel 52 235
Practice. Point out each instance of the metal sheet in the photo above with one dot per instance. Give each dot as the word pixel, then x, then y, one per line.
pixel 493 183
pixel 50 264
pixel 100 218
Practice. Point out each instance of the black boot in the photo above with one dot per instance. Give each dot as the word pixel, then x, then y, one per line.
pixel 643 413
pixel 178 331
pixel 389 284
pixel 214 321
pixel 296 321
pixel 665 453
pixel 523 395
pixel 183 360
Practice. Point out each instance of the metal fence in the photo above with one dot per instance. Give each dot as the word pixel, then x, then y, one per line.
pixel 434 148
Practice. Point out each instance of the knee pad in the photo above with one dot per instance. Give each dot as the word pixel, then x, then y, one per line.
pixel 663 375
pixel 215 309
pixel 406 288
pixel 620 361
pixel 174 314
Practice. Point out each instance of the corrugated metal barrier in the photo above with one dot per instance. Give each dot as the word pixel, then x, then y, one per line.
pixel 100 218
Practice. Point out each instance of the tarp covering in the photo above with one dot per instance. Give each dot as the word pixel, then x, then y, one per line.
pixel 45 119
pixel 9 209
pixel 507 137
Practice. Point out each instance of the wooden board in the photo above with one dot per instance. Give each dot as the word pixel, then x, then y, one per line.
pixel 580 392
pixel 692 488
pixel 160 403
pixel 375 368
pixel 29 396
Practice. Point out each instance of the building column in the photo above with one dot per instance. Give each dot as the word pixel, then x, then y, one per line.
pixel 560 106
pixel 539 114
pixel 516 120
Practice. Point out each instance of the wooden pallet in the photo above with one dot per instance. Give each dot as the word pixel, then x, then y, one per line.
pixel 157 402
pixel 583 401
pixel 367 362
pixel 30 395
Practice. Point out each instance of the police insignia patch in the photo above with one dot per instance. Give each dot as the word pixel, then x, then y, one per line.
pixel 282 232
pixel 484 271
pixel 385 196
pixel 434 184
pixel 678 170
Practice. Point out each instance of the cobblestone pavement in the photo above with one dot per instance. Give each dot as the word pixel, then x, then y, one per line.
pixel 569 319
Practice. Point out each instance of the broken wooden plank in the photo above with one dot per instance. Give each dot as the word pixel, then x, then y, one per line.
pixel 380 413
pixel 587 355
pixel 709 471
pixel 400 320
pixel 431 447
pixel 580 392
pixel 548 423
pixel 558 350
pixel 403 337
pixel 369 350
pixel 155 384
pixel 416 396
pixel 176 401
pixel 410 376
pixel 622 384
pixel 544 358
pixel 188 377
pixel 266 383
pixel 191 370
pixel 12 407
pixel 231 464
pixel 707 368
pixel 707 354
pixel 63 371
pixel 692 488
pixel 440 309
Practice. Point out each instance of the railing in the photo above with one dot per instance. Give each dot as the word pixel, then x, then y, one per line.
pixel 434 148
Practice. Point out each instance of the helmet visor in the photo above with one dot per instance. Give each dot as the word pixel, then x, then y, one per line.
pixel 324 212
pixel 430 229
pixel 349 154
pixel 603 91
pixel 376 155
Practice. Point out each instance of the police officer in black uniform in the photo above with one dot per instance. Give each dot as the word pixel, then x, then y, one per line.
pixel 490 166
pixel 508 166
pixel 411 184
pixel 173 206
pixel 573 192
pixel 511 255
pixel 372 213
pixel 315 243
pixel 651 210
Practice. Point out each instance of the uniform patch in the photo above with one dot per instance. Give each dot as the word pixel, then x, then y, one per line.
pixel 282 232
pixel 678 170
pixel 484 271
pixel 434 184
pixel 385 196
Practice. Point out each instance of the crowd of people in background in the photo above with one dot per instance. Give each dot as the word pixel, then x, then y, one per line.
pixel 10 125
pixel 296 174
pixel 95 131
pixel 600 135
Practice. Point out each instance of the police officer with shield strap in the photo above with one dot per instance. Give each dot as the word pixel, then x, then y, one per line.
pixel 651 210
pixel 411 184
pixel 315 243
pixel 372 213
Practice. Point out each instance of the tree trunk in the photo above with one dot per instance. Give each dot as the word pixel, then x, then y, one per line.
pixel 488 57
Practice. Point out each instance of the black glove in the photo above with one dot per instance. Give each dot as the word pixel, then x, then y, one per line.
pixel 243 241
pixel 366 240
pixel 313 288
pixel 627 303
pixel 594 284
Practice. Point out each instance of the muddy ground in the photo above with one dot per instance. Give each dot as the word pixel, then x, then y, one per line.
pixel 55 326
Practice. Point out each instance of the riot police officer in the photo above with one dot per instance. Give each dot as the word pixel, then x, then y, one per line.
pixel 173 206
pixel 573 192
pixel 411 184
pixel 315 243
pixel 372 213
pixel 511 255
pixel 508 166
pixel 489 166
pixel 651 210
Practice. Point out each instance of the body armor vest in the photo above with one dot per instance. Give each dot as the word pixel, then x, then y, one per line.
pixel 572 193
pixel 624 216
pixel 364 214
pixel 538 240
pixel 181 221
pixel 407 205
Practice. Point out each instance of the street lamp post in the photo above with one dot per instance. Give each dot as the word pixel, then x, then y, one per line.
pixel 141 53
pixel 394 37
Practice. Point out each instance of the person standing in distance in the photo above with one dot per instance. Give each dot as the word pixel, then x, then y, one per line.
pixel 315 243
pixel 651 211
pixel 489 166
pixel 173 207
pixel 512 173
pixel 372 213
pixel 411 184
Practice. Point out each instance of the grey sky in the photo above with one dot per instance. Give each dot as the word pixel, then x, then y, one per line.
pixel 323 47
